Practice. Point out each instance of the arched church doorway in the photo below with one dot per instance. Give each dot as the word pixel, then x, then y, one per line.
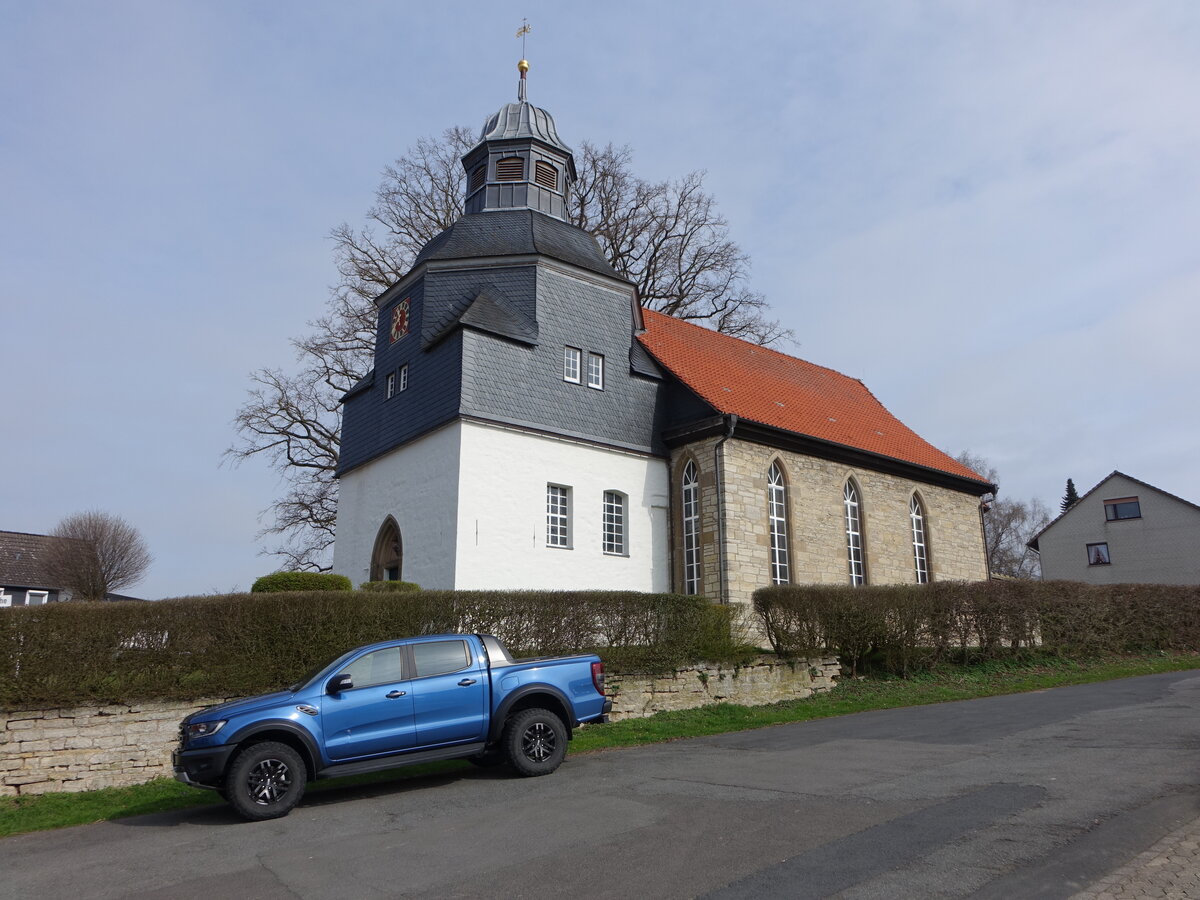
pixel 388 554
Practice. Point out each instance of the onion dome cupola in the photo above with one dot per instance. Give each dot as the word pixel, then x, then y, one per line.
pixel 520 162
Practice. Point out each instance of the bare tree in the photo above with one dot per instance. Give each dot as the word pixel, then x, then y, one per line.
pixel 666 237
pixel 98 553
pixel 1008 526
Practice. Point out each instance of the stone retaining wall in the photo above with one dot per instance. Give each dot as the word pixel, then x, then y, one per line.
pixel 88 747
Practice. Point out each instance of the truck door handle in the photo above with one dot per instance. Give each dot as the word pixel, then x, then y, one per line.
pixel 466 682
pixel 392 695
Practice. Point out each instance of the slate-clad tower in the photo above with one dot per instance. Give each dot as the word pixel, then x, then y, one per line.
pixel 507 436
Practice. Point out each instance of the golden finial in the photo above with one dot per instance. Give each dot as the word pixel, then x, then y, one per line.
pixel 523 67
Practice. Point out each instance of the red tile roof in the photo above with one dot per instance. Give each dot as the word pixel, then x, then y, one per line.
pixel 772 388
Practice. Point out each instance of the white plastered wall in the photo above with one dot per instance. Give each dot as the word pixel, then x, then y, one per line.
pixel 502 513
pixel 417 485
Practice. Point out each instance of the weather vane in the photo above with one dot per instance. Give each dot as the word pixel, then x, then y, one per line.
pixel 523 65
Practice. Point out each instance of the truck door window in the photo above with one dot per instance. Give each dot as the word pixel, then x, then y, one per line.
pixel 440 657
pixel 376 667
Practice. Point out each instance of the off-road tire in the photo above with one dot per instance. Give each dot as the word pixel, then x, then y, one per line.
pixel 535 742
pixel 265 781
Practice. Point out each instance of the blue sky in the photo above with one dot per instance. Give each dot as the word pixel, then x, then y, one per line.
pixel 987 211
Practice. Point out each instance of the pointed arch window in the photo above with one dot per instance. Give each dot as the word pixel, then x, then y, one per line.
pixel 690 497
pixel 916 514
pixel 388 555
pixel 854 538
pixel 777 520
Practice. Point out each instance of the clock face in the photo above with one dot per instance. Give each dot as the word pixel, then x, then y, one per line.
pixel 400 320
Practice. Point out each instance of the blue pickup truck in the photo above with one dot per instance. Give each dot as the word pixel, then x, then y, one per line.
pixel 391 704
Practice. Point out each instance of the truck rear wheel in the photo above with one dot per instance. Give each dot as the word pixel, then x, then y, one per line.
pixel 265 781
pixel 535 742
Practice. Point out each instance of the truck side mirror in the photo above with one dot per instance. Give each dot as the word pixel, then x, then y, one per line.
pixel 339 683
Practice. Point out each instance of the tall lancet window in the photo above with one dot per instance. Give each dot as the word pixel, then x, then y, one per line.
pixel 690 496
pixel 854 539
pixel 777 520
pixel 916 515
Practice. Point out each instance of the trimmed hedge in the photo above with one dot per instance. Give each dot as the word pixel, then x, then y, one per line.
pixel 301 581
pixel 241 644
pixel 908 626
pixel 383 587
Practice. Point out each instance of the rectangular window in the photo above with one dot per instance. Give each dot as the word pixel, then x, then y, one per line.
pixel 558 516
pixel 571 364
pixel 596 371
pixel 403 378
pixel 440 657
pixel 614 523
pixel 1124 508
pixel 36 598
pixel 391 385
pixel 5 599
pixel 1098 555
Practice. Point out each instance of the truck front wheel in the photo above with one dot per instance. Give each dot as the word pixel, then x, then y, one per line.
pixel 535 742
pixel 265 781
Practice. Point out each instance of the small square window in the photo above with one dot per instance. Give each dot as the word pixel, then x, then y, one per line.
pixel 1124 508
pixel 1098 555
pixel 36 598
pixel 403 378
pixel 391 385
pixel 596 371
pixel 571 357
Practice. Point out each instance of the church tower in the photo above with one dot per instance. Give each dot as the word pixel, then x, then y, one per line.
pixel 508 434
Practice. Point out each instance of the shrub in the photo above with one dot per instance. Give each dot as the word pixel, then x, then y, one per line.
pixel 240 644
pixel 384 587
pixel 908 626
pixel 301 581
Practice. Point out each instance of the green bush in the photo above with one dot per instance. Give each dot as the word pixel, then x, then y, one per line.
pixel 301 581
pixel 902 627
pixel 383 587
pixel 241 644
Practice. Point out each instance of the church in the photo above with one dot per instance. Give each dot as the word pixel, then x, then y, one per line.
pixel 528 425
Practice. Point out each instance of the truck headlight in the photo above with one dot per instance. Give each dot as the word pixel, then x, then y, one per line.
pixel 203 729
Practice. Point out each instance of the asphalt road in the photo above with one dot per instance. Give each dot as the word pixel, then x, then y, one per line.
pixel 1032 795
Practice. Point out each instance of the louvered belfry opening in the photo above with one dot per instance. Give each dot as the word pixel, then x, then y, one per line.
pixel 511 168
pixel 478 177
pixel 545 175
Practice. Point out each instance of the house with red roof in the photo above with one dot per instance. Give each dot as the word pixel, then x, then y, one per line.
pixel 528 425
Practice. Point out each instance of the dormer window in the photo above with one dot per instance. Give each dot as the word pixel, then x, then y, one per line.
pixel 511 168
pixel 478 177
pixel 545 175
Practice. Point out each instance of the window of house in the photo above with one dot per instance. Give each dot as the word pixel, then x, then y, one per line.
pixel 545 175
pixel 571 357
pixel 614 523
pixel 391 385
pixel 511 168
pixel 916 515
pixel 1124 508
pixel 1098 555
pixel 595 371
pixel 690 496
pixel 777 521
pixel 558 516
pixel 36 598
pixel 5 599
pixel 403 385
pixel 854 541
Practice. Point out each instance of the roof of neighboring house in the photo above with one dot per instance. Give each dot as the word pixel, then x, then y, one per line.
pixel 1032 543
pixel 23 559
pixel 774 389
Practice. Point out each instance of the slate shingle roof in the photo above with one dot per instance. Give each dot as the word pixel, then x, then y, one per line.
pixel 517 232
pixel 774 389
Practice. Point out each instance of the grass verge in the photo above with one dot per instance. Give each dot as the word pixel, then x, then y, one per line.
pixel 38 812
